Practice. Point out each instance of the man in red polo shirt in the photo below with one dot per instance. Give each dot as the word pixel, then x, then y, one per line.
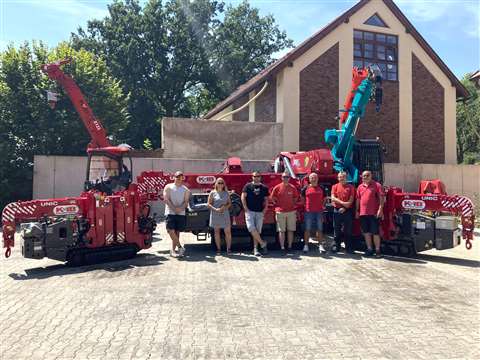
pixel 370 199
pixel 342 197
pixel 314 206
pixel 285 197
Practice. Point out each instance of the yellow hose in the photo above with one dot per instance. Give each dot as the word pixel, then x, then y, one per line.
pixel 244 105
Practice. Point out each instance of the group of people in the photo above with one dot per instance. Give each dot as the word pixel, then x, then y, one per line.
pixel 366 203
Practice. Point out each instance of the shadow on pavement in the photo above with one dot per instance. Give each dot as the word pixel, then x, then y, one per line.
pixel 140 260
pixel 449 260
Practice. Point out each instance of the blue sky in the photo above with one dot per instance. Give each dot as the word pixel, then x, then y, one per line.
pixel 451 27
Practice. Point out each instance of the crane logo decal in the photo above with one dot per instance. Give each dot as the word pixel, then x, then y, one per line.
pixel 206 179
pixel 65 210
pixel 413 204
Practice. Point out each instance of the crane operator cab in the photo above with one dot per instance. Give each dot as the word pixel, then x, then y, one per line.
pixel 109 169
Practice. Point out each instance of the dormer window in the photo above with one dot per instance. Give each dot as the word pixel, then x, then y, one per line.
pixel 375 20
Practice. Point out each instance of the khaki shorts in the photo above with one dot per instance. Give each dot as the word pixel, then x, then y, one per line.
pixel 286 221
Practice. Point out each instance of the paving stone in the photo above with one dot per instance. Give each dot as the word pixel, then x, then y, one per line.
pixel 242 307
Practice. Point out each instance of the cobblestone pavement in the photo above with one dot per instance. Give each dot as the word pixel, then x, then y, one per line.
pixel 242 307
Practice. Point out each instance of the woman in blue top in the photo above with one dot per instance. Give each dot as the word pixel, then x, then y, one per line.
pixel 219 203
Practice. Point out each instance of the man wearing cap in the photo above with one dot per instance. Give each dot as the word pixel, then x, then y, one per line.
pixel 285 197
pixel 254 201
pixel 176 196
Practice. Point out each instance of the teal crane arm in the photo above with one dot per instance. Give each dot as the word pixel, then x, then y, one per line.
pixel 344 139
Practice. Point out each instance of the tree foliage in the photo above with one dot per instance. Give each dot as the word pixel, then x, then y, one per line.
pixel 179 57
pixel 468 125
pixel 244 44
pixel 27 124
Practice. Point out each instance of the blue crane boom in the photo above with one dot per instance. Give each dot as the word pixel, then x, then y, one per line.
pixel 344 139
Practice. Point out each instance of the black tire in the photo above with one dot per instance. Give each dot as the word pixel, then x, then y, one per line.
pixel 76 258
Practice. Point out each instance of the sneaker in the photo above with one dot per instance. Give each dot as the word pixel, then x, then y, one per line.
pixel 378 255
pixel 369 252
pixel 229 252
pixel 284 252
pixel 264 248
pixel 181 252
pixel 305 248
pixel 334 248
pixel 173 253
pixel 256 252
pixel 321 248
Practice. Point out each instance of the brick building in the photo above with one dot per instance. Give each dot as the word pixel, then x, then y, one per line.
pixel 307 86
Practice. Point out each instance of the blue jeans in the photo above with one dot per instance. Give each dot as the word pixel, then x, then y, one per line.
pixel 314 220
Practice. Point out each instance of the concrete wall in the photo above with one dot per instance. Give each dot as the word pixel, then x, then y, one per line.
pixel 207 139
pixel 459 179
pixel 58 176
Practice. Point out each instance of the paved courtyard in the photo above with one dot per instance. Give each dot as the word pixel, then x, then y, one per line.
pixel 242 307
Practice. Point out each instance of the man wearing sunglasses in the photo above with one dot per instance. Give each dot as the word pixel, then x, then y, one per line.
pixel 285 196
pixel 176 196
pixel 254 201
pixel 370 200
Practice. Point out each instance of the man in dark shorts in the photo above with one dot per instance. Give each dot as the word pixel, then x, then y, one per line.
pixel 176 196
pixel 370 200
pixel 255 201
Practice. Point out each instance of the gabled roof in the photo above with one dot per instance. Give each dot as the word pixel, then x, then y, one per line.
pixel 475 75
pixel 284 61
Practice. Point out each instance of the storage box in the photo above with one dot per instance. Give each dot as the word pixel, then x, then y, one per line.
pixel 446 222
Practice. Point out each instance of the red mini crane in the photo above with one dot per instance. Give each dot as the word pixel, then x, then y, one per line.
pixel 110 216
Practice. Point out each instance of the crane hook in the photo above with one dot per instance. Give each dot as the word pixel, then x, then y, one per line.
pixel 468 244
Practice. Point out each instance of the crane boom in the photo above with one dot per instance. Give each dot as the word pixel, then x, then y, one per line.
pixel 343 140
pixel 94 127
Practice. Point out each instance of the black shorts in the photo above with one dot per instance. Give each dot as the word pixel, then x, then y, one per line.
pixel 176 222
pixel 369 224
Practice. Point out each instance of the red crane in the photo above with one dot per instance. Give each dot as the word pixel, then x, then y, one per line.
pixel 109 216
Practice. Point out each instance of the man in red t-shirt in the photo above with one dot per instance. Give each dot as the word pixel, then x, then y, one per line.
pixel 285 198
pixel 370 199
pixel 342 199
pixel 314 205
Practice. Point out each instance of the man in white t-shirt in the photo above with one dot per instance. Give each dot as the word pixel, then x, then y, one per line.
pixel 176 196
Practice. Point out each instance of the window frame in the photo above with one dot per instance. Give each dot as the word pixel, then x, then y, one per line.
pixel 359 44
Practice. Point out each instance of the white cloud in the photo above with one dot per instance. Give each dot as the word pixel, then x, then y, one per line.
pixel 455 14
pixel 78 8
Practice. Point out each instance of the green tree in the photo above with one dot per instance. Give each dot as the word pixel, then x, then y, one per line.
pixel 244 45
pixel 468 125
pixel 29 126
pixel 179 57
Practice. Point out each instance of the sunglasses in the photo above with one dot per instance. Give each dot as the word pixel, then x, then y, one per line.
pixel 178 176
pixel 257 176
pixel 365 176
pixel 285 177
pixel 221 183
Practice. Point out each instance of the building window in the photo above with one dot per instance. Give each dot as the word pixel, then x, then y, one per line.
pixel 373 48
pixel 375 20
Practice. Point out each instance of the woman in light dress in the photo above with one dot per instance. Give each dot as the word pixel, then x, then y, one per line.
pixel 219 204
